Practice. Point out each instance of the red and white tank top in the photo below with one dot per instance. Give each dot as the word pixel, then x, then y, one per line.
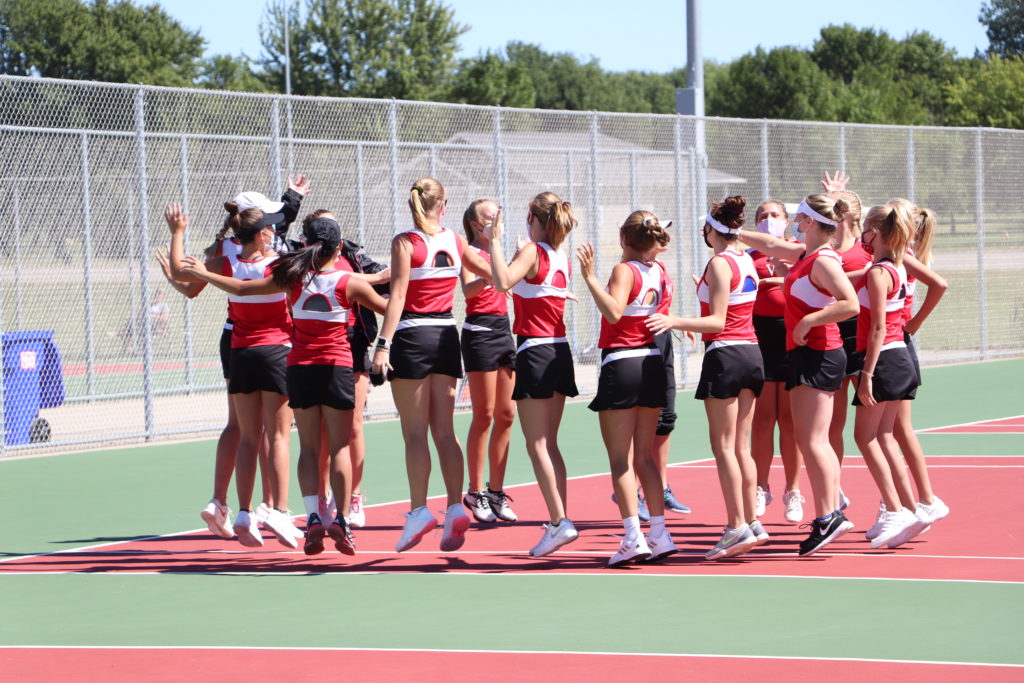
pixel 855 258
pixel 804 297
pixel 229 246
pixel 539 302
pixel 488 300
pixel 894 302
pixel 434 271
pixel 320 319
pixel 739 320
pixel 262 319
pixel 668 291
pixel 645 298
pixel 908 305
pixel 770 301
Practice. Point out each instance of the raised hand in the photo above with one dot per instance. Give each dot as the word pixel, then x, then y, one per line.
pixel 299 184
pixel 837 181
pixel 177 220
pixel 585 253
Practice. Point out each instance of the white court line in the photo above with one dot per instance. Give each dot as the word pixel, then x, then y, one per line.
pixel 681 655
pixel 968 424
pixel 931 467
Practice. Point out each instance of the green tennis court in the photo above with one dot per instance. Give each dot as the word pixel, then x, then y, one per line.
pixel 105 572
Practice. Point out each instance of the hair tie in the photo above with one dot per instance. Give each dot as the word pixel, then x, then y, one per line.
pixel 417 188
pixel 647 221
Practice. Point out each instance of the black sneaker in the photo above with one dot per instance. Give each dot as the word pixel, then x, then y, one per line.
pixel 480 506
pixel 498 501
pixel 341 534
pixel 822 533
pixel 314 543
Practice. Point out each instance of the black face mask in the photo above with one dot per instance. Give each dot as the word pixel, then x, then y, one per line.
pixel 705 233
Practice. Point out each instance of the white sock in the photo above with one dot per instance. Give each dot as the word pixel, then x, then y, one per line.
pixel 312 504
pixel 657 525
pixel 632 526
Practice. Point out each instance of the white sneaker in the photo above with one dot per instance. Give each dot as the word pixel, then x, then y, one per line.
pixel 248 530
pixel 760 535
pixel 763 498
pixel 876 528
pixel 261 513
pixel 218 519
pixel 555 536
pixel 934 512
pixel 894 524
pixel 418 524
pixel 456 522
pixel 918 527
pixel 499 504
pixel 844 502
pixel 733 542
pixel 281 524
pixel 480 506
pixel 630 550
pixel 794 503
pixel 661 546
pixel 356 513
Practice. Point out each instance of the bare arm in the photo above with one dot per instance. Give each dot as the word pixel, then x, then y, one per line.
pixel 611 303
pixel 472 261
pixel 473 285
pixel 879 283
pixel 772 246
pixel 401 260
pixel 188 289
pixel 717 275
pixel 937 287
pixel 362 292
pixel 229 284
pixel 177 223
pixel 523 263
pixel 828 274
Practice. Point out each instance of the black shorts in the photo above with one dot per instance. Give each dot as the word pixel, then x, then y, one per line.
pixel 728 370
pixel 771 340
pixel 543 369
pixel 628 381
pixel 912 349
pixel 360 349
pixel 667 419
pixel 259 368
pixel 225 352
pixel 487 343
pixel 848 331
pixel 894 378
pixel 822 370
pixel 321 385
pixel 426 349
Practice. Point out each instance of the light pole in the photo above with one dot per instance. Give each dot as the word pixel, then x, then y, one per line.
pixel 287 50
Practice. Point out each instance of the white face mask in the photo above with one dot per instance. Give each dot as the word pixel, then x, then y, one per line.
pixel 776 227
pixel 798 233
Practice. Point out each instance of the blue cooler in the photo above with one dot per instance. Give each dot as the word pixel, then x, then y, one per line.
pixel 33 379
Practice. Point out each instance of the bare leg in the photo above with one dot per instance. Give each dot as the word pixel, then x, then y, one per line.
pixel 412 399
pixel 540 419
pixel 311 446
pixel 762 449
pixel 645 460
pixel 811 431
pixel 277 421
pixel 339 439
pixel 617 428
pixel 792 461
pixel 449 451
pixel 357 442
pixel 914 454
pixel 722 414
pixel 224 461
pixel 865 433
pixel 501 430
pixel 250 425
pixel 482 395
pixel 748 472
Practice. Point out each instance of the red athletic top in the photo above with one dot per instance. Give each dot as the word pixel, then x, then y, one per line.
pixel 262 319
pixel 225 247
pixel 855 258
pixel 488 300
pixel 739 321
pixel 804 297
pixel 770 301
pixel 644 300
pixel 434 271
pixel 320 318
pixel 894 301
pixel 668 291
pixel 908 305
pixel 539 302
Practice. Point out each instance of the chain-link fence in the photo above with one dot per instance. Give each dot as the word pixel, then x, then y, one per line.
pixel 88 168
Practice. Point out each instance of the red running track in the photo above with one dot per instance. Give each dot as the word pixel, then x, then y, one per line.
pixel 228 665
pixel 965 546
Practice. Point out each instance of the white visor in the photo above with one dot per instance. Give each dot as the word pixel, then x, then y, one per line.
pixel 808 211
pixel 710 220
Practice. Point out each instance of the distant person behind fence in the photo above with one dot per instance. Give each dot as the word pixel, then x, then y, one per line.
pixel 157 314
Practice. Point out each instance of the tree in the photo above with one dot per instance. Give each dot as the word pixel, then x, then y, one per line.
pixel 1004 25
pixel 364 48
pixel 224 72
pixel 491 79
pixel 103 40
pixel 992 96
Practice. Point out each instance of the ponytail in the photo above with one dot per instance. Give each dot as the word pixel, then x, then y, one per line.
pixel 555 215
pixel 923 235
pixel 642 232
pixel 425 196
pixel 245 224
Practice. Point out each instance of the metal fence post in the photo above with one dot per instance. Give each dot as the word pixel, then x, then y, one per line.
pixel 143 256
pixel 634 195
pixel 360 197
pixel 842 147
pixel 17 256
pixel 90 343
pixel 766 192
pixel 275 147
pixel 979 199
pixel 393 148
pixel 595 211
pixel 677 157
pixel 911 166
pixel 189 353
pixel 499 162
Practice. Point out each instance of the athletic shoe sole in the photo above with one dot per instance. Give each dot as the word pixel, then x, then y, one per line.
pixel 285 536
pixel 248 538
pixel 658 557
pixel 455 539
pixel 563 542
pixel 631 559
pixel 314 544
pixel 414 540
pixel 342 542
pixel 839 531
pixel 473 509
pixel 214 525
pixel 732 551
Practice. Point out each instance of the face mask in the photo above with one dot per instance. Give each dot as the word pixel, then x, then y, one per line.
pixel 776 227
pixel 798 233
pixel 705 233
pixel 528 224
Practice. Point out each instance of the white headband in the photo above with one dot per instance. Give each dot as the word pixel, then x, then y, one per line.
pixel 710 220
pixel 808 211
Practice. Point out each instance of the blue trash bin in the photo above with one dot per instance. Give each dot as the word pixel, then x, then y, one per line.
pixel 33 379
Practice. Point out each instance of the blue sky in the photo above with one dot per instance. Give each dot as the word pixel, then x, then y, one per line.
pixel 647 35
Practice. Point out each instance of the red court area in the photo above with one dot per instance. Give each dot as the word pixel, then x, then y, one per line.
pixel 964 546
pixel 244 665
pixel 1006 425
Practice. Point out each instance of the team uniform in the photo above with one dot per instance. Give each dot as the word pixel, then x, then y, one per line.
pixel 855 258
pixel 632 369
pixel 732 359
pixel 362 327
pixel 908 313
pixel 769 319
pixel 486 335
pixel 894 377
pixel 261 336
pixel 667 419
pixel 821 362
pixel 426 340
pixel 543 357
pixel 225 247
pixel 320 362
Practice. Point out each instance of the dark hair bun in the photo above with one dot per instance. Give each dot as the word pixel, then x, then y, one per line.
pixel 231 207
pixel 733 207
